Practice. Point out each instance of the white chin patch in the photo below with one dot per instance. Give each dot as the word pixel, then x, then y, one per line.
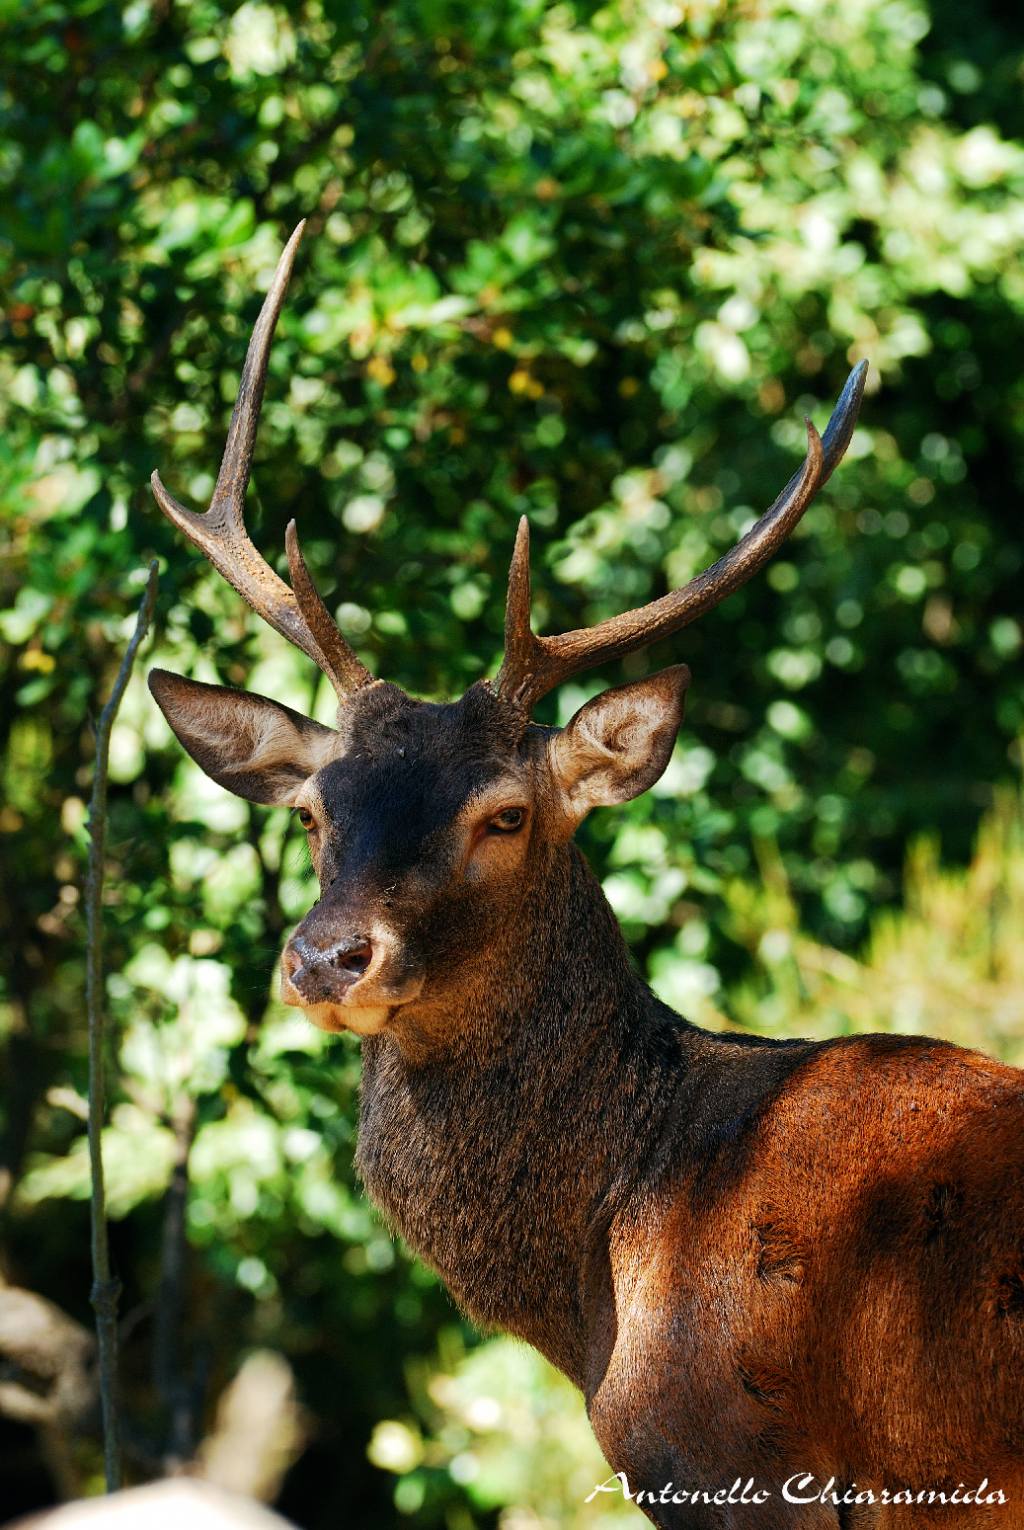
pixel 347 1017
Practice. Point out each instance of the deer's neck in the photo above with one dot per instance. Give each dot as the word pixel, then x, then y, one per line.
pixel 500 1156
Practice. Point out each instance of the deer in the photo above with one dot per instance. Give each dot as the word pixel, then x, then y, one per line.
pixel 787 1276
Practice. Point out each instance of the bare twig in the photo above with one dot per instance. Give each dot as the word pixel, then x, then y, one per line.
pixel 106 1288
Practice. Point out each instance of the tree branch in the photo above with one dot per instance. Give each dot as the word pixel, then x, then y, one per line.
pixel 106 1288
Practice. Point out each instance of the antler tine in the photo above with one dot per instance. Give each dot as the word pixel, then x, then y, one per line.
pixel 533 665
pixel 220 531
pixel 340 658
pixel 523 651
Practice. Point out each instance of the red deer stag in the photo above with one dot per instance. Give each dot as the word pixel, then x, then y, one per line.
pixel 777 1270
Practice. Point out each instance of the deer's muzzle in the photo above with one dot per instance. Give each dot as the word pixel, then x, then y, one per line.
pixel 352 983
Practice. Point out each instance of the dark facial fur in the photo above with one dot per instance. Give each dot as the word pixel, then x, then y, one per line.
pixel 403 842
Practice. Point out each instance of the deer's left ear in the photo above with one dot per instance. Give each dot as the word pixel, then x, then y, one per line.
pixel 620 742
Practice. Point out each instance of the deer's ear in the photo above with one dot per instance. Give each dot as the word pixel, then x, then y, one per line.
pixel 620 742
pixel 255 747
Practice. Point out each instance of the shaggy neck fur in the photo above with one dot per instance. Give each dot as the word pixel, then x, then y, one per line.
pixel 500 1156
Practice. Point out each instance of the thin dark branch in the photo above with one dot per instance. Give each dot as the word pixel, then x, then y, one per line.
pixel 106 1289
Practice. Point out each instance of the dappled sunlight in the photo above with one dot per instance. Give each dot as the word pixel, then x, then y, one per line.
pixel 591 266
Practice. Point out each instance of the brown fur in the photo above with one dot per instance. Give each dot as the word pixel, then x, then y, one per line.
pixel 754 1258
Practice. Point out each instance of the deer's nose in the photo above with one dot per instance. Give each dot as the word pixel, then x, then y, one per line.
pixel 322 973
pixel 353 955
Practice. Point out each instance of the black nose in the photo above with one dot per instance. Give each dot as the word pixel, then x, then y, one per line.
pixel 320 973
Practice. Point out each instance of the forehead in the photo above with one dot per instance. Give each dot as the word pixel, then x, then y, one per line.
pixel 419 759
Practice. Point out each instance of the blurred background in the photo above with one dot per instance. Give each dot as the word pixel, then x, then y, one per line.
pixel 589 263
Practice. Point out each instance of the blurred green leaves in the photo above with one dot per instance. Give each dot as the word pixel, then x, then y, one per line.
pixel 588 264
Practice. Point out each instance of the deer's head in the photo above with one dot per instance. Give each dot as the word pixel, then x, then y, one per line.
pixel 430 823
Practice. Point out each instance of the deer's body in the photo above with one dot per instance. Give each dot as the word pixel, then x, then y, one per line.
pixel 757 1259
pixel 816 1248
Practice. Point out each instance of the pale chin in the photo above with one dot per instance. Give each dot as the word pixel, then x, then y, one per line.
pixel 347 1017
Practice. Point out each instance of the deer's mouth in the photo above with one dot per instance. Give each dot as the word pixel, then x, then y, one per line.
pixel 362 1020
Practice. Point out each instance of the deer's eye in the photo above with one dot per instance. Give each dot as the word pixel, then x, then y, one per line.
pixel 508 820
pixel 305 818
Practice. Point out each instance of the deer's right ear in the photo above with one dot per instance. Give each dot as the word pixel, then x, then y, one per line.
pixel 254 747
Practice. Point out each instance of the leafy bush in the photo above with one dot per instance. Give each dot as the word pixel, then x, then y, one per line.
pixel 591 264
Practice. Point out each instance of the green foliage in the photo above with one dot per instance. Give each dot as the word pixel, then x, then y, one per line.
pixel 949 963
pixel 510 1430
pixel 590 264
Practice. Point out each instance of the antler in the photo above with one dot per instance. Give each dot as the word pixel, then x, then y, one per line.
pixel 298 614
pixel 533 665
